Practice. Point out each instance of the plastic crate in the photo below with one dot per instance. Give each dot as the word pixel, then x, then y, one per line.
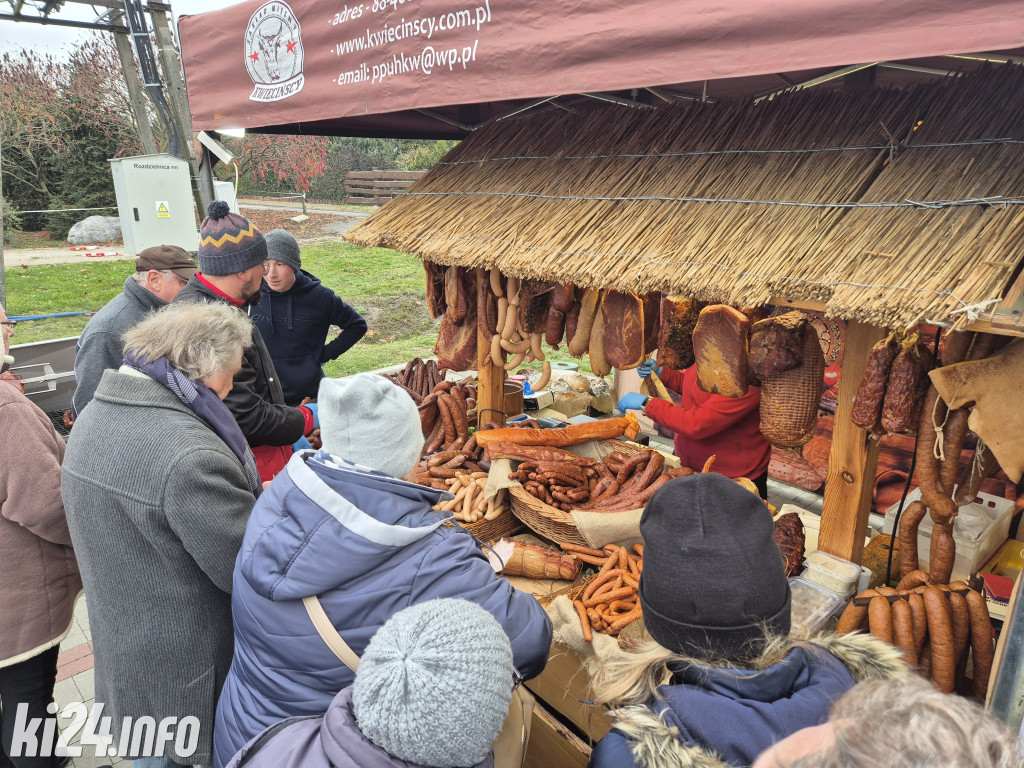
pixel 812 607
pixel 971 553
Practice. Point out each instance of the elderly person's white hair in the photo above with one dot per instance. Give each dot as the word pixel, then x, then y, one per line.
pixel 906 723
pixel 199 339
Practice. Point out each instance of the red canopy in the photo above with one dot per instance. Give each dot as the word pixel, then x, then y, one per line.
pixel 373 67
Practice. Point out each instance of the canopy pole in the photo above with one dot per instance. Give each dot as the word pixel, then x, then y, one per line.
pixel 853 457
pixel 490 378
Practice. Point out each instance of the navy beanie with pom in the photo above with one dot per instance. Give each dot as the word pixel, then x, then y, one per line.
pixel 228 242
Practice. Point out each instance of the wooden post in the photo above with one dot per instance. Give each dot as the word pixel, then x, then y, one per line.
pixel 853 457
pixel 136 95
pixel 490 384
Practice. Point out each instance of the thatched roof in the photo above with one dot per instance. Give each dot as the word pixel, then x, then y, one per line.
pixel 830 196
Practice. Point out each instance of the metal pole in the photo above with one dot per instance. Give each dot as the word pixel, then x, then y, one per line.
pixel 1006 697
pixel 206 179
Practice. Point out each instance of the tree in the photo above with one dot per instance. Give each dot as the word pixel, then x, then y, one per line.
pixel 288 160
pixel 60 120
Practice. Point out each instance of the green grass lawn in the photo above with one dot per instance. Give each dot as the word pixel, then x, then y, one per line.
pixel 385 286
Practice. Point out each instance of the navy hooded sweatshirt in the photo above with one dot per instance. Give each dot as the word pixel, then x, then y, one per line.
pixel 294 325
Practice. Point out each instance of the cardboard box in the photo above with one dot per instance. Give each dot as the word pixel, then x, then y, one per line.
pixel 552 744
pixel 563 686
pixel 571 404
pixel 538 400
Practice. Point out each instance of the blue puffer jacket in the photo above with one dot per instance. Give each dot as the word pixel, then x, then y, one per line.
pixel 368 545
pixel 712 717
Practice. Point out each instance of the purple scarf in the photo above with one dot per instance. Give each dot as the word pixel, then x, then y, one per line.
pixel 206 405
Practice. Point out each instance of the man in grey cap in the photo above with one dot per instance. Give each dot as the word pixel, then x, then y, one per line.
pixel 160 272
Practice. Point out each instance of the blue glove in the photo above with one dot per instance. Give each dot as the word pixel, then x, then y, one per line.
pixel 631 401
pixel 302 444
pixel 648 365
pixel 316 416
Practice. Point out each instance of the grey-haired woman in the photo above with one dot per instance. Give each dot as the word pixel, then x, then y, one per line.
pixel 158 484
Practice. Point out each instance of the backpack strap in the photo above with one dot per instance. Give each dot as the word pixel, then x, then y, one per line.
pixel 330 635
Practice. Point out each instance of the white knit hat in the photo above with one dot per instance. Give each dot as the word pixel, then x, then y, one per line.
pixel 434 684
pixel 368 420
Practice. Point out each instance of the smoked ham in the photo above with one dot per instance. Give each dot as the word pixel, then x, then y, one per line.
pixel 777 344
pixel 561 302
pixel 435 288
pixel 652 320
pixel 623 314
pixel 720 350
pixel 789 401
pixel 675 337
pixel 456 340
pixel 534 302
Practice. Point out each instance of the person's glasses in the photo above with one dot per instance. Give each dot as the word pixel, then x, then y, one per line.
pixel 12 323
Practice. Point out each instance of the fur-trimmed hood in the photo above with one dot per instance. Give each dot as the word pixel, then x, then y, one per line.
pixel 712 717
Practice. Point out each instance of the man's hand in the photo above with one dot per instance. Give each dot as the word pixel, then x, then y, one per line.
pixel 647 367
pixel 632 401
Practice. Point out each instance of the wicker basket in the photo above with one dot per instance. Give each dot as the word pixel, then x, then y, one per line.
pixel 551 522
pixel 487 531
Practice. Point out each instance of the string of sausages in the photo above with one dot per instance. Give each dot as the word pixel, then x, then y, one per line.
pixel 616 484
pixel 933 625
pixel 936 474
pixel 610 600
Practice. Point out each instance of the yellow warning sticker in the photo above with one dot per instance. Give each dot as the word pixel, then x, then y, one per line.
pixel 162 211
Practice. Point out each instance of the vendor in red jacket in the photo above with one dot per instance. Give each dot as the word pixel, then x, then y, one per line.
pixel 706 425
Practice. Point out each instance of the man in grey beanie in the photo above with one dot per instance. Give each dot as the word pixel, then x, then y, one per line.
pixel 340 525
pixel 295 316
pixel 432 690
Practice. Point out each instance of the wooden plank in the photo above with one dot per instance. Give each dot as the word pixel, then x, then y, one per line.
pixel 563 686
pixel 490 379
pixel 852 458
pixel 393 175
pixel 552 744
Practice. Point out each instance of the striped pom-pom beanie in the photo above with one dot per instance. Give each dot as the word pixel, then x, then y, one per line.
pixel 433 685
pixel 228 243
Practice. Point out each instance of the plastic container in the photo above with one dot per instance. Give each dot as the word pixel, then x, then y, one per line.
pixel 812 607
pixel 831 572
pixel 971 550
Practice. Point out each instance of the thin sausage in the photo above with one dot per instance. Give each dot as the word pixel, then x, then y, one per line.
pixel 919 621
pixel 981 642
pixel 907 537
pixel 854 616
pixel 942 554
pixel 880 619
pixel 915 578
pixel 961 626
pixel 903 631
pixel 940 635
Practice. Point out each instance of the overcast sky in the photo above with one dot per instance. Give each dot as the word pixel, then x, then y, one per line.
pixel 19 34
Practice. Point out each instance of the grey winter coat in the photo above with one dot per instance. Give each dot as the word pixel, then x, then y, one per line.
pixel 331 741
pixel 157 505
pixel 100 346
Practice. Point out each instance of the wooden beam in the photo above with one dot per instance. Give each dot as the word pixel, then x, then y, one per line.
pixel 853 457
pixel 490 379
pixel 136 94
